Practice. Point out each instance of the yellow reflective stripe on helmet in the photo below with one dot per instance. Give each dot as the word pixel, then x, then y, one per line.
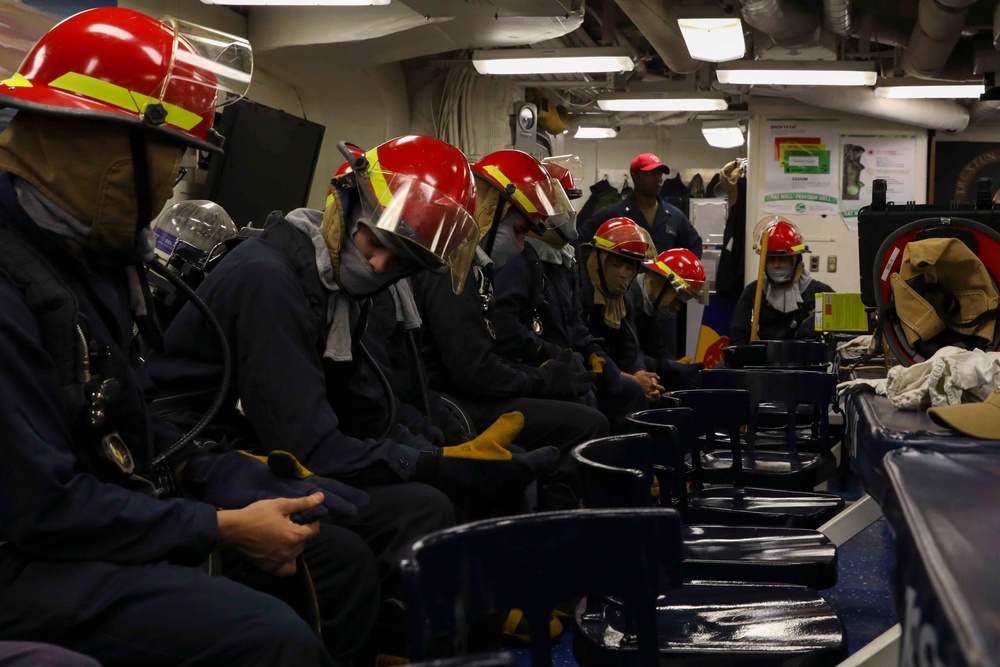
pixel 375 176
pixel 603 242
pixel 518 195
pixel 17 80
pixel 123 98
pixel 798 248
pixel 673 275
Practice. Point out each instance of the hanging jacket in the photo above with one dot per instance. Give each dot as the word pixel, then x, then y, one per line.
pixel 602 194
pixel 729 274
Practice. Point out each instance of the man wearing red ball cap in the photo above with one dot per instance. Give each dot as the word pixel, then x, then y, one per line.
pixel 666 224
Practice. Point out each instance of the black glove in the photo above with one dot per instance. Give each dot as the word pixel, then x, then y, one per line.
pixel 677 375
pixel 483 467
pixel 572 359
pixel 237 479
pixel 557 380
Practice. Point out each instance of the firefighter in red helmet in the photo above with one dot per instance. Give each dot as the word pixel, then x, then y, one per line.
pixel 788 296
pixel 672 278
pixel 620 248
pixel 95 535
pixel 515 196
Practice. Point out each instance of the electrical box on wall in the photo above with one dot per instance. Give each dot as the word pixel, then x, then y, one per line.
pixel 524 129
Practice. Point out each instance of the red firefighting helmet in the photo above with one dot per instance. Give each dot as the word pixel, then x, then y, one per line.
pixel 419 195
pixel 683 271
pixel 784 238
pixel 621 236
pixel 119 65
pixel 538 196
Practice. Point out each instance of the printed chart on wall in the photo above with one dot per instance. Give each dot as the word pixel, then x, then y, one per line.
pixel 867 157
pixel 802 172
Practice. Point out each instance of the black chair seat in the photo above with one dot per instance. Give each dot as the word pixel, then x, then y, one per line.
pixel 780 470
pixel 762 555
pixel 616 472
pixel 763 507
pixel 711 625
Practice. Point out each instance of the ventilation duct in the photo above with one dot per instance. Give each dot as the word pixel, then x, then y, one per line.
pixel 943 115
pixel 660 29
pixel 939 27
pixel 839 17
pixel 788 23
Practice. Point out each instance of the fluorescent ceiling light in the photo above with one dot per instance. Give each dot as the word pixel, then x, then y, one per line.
pixel 299 3
pixel 797 73
pixel 713 40
pixel 662 101
pixel 552 61
pixel 595 133
pixel 723 133
pixel 912 88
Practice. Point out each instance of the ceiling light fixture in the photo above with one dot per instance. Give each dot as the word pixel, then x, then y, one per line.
pixel 299 3
pixel 552 61
pixel 723 133
pixel 663 101
pixel 797 73
pixel 713 40
pixel 913 88
pixel 595 133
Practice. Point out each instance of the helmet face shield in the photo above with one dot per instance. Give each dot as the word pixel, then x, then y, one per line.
pixel 552 204
pixel 438 230
pixel 207 69
pixel 687 290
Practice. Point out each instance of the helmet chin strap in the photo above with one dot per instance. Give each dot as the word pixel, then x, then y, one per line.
pixel 141 176
pixel 497 217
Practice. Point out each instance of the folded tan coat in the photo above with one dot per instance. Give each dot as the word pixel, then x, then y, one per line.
pixel 951 264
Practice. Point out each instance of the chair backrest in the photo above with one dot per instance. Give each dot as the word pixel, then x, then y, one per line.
pixel 787 353
pixel 789 388
pixel 801 354
pixel 749 354
pixel 714 411
pixel 617 470
pixel 455 576
pixel 672 433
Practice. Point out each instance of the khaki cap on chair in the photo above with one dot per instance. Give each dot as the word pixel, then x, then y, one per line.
pixel 980 420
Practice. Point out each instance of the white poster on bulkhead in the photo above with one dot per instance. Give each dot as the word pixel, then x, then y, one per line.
pixel 870 156
pixel 802 169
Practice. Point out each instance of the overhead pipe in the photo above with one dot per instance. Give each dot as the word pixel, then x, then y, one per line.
pixel 938 29
pixel 838 15
pixel 787 22
pixel 945 115
pixel 659 27
pixel 982 111
pixel 614 120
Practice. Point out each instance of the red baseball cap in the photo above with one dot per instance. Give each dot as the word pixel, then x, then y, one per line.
pixel 648 162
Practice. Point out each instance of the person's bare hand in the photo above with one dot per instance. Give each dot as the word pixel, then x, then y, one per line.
pixel 265 533
pixel 650 383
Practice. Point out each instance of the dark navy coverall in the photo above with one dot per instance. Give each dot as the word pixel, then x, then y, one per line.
pixel 462 363
pixel 268 298
pixel 670 228
pixel 558 310
pixel 775 325
pixel 95 563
